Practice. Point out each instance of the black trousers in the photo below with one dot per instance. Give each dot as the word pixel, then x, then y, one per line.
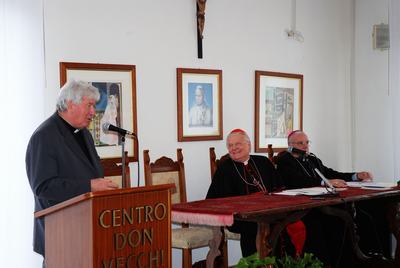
pixel 248 234
pixel 326 238
pixel 373 228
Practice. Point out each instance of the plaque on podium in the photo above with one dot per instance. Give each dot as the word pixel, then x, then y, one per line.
pixel 117 228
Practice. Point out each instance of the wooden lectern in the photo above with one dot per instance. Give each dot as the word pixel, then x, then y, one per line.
pixel 110 229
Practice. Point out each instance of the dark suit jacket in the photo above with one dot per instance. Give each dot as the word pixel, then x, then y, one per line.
pixel 295 174
pixel 57 168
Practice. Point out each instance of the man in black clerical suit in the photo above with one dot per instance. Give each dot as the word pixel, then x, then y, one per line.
pixel 243 174
pixel 297 169
pixel 61 160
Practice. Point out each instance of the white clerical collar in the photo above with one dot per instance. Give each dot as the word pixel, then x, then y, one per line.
pixel 246 162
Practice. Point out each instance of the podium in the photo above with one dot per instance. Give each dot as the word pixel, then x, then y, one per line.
pixel 110 229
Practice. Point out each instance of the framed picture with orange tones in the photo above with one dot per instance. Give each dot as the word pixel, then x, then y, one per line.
pixel 278 108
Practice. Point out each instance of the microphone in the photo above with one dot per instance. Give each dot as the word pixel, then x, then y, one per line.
pixel 326 181
pixel 291 149
pixel 304 154
pixel 121 131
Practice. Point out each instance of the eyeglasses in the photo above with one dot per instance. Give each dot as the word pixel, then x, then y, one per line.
pixel 301 142
pixel 235 145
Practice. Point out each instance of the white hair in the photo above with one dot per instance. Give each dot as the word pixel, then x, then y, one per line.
pixel 242 133
pixel 74 91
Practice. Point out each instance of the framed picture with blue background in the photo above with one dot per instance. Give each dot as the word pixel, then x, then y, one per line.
pixel 199 104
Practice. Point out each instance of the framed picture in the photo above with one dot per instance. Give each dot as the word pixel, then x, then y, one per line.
pixel 278 109
pixel 117 104
pixel 199 104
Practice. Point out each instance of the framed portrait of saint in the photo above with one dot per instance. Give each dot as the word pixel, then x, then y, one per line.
pixel 199 94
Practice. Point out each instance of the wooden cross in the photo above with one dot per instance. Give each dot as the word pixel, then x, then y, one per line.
pixel 200 10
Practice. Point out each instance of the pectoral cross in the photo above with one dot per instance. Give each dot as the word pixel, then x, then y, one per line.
pixel 200 10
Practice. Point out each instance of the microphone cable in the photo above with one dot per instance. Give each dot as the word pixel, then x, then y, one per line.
pixel 138 160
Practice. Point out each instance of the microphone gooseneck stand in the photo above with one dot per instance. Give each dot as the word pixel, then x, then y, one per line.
pixel 135 137
pixel 123 160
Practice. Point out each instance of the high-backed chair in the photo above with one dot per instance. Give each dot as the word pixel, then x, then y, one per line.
pixel 273 155
pixel 214 161
pixel 270 153
pixel 166 171
pixel 113 170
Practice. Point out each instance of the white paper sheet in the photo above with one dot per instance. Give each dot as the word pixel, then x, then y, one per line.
pixel 372 185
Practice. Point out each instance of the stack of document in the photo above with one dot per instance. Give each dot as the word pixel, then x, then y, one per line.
pixel 372 185
pixel 312 191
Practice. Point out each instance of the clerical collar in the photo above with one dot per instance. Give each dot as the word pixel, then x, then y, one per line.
pixel 246 162
pixel 71 128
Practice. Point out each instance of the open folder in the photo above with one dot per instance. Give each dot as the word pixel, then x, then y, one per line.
pixel 312 191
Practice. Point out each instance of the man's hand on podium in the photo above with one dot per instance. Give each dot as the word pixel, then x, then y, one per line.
pixel 101 184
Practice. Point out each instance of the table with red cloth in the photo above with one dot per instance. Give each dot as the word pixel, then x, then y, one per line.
pixel 273 210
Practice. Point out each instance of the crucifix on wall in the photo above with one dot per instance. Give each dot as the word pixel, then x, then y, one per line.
pixel 200 10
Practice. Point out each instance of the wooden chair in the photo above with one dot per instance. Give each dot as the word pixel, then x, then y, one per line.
pixel 274 154
pixel 113 170
pixel 214 162
pixel 270 153
pixel 166 171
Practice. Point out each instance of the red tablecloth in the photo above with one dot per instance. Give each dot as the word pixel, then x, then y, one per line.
pixel 221 211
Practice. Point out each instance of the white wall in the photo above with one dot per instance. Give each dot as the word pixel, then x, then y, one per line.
pixel 372 109
pixel 22 109
pixel 326 61
pixel 240 37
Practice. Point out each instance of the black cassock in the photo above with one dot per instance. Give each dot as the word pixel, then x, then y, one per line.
pixel 325 234
pixel 233 179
